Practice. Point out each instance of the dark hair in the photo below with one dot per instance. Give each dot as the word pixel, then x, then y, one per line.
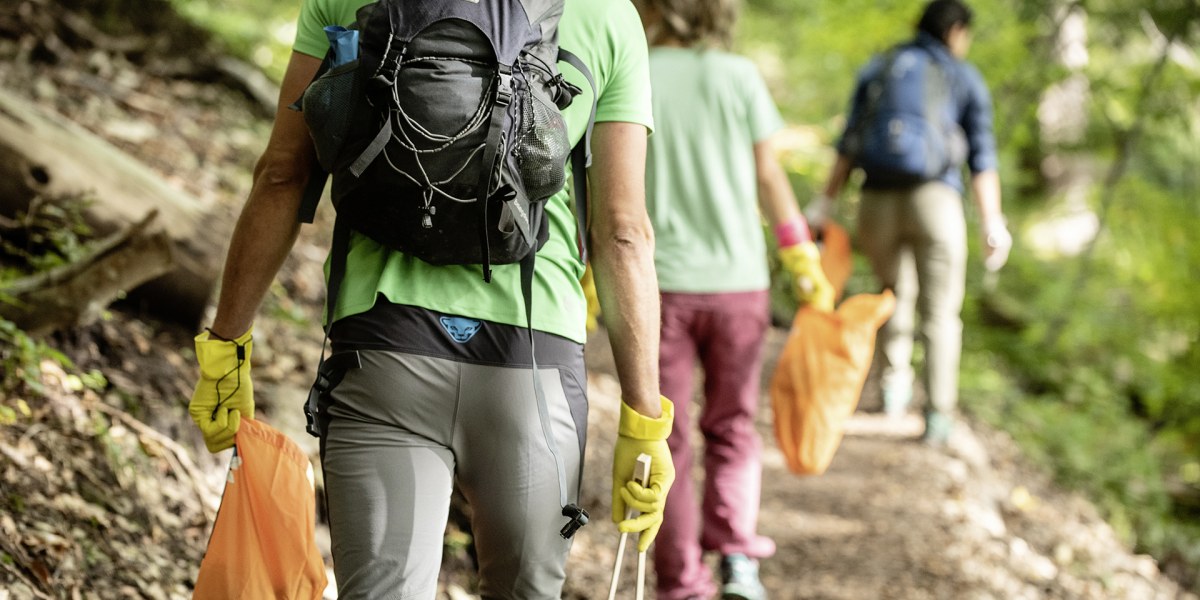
pixel 941 15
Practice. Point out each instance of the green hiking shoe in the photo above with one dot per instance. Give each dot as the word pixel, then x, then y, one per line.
pixel 739 579
pixel 937 429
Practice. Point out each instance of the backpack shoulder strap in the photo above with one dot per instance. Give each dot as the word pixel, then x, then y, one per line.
pixel 337 272
pixel 581 156
pixel 312 194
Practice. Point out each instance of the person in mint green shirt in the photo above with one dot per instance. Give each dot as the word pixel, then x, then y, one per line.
pixel 712 177
pixel 440 392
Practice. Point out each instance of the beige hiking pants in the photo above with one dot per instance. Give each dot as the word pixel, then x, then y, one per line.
pixel 916 241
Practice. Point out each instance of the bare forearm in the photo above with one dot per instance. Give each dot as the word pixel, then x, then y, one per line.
pixel 262 239
pixel 985 188
pixel 838 176
pixel 775 196
pixel 267 227
pixel 627 286
pixel 622 243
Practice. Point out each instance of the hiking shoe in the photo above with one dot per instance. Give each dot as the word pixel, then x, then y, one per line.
pixel 739 578
pixel 896 401
pixel 937 429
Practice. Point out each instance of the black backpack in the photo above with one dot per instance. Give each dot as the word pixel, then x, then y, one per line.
pixel 904 136
pixel 444 136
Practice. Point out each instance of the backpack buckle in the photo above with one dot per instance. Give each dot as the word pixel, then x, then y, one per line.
pixel 563 91
pixel 504 91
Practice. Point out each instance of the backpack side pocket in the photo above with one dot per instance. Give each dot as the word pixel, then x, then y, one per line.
pixel 542 149
pixel 329 106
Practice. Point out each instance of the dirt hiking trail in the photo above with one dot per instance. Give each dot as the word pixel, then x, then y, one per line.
pixel 893 519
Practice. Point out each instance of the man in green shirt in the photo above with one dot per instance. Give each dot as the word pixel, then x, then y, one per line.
pixel 444 396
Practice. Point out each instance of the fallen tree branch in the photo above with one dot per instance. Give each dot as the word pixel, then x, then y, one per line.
pixel 45 155
pixel 78 292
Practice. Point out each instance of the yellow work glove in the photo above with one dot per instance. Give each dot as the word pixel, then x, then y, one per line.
pixel 803 262
pixel 224 394
pixel 639 434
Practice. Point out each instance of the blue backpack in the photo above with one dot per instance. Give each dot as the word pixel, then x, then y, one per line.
pixel 905 134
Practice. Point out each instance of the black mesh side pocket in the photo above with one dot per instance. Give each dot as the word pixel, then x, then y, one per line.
pixel 542 149
pixel 329 105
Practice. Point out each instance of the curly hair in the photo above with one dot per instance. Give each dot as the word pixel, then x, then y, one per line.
pixel 690 22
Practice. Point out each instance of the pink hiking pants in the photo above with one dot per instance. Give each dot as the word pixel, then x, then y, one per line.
pixel 725 333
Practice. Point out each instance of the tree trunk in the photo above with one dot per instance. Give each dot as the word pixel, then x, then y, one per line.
pixel 44 154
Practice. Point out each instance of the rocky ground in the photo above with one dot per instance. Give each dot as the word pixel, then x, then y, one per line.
pixel 106 490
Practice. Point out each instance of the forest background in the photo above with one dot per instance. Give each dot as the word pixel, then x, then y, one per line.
pixel 1086 347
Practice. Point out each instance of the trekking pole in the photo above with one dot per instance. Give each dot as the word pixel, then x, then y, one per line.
pixel 641 472
pixel 641 581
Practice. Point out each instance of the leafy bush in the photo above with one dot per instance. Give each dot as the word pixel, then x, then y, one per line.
pixel 48 234
pixel 1098 380
pixel 21 358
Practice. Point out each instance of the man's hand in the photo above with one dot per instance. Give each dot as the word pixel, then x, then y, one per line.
pixel 997 242
pixel 224 394
pixel 639 434
pixel 803 262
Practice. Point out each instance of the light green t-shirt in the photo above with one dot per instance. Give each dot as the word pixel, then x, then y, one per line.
pixel 710 108
pixel 607 36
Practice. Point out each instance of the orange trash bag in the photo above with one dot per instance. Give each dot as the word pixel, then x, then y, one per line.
pixel 837 260
pixel 263 545
pixel 820 375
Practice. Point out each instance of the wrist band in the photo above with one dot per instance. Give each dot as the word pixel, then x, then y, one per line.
pixel 214 334
pixel 792 232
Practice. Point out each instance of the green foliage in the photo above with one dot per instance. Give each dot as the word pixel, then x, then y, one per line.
pixel 1110 403
pixel 261 32
pixel 48 234
pixel 20 366
pixel 810 51
pixel 1095 446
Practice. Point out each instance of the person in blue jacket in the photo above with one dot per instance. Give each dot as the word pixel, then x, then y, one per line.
pixel 914 232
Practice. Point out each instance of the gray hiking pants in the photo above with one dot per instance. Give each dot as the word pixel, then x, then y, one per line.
pixel 403 429
pixel 916 241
